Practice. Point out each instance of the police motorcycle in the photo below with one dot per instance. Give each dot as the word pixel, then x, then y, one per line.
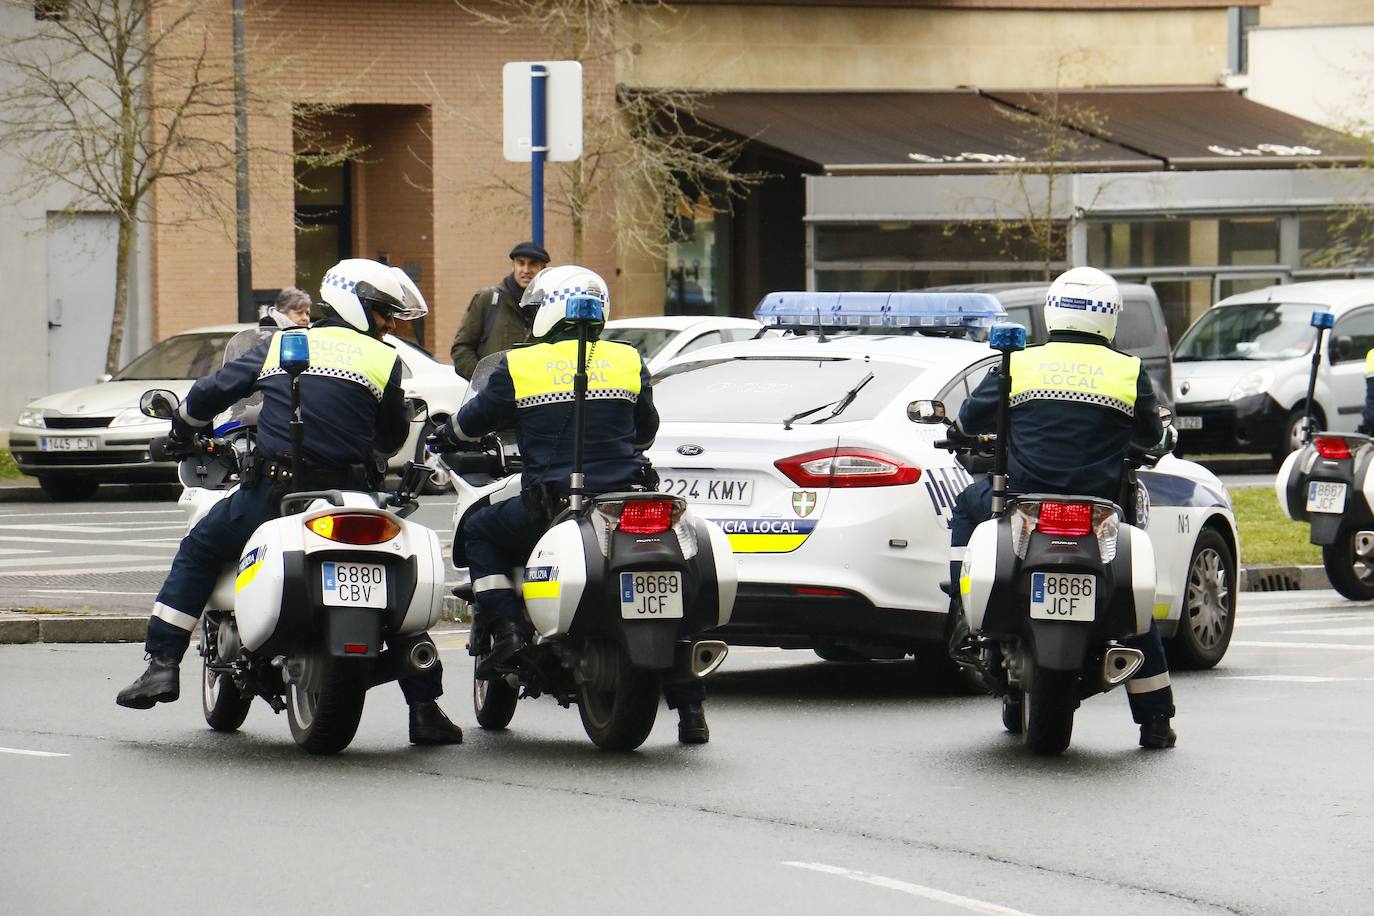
pixel 300 619
pixel 616 591
pixel 1051 585
pixel 1327 484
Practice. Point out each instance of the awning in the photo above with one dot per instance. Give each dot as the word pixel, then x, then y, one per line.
pixel 968 131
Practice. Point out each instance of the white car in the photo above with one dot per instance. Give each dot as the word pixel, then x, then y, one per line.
pixel 76 440
pixel 665 337
pixel 838 507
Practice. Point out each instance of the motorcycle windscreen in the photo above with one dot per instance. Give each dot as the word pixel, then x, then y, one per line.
pixel 481 377
pixel 243 412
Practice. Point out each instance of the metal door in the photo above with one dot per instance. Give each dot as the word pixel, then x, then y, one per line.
pixel 81 286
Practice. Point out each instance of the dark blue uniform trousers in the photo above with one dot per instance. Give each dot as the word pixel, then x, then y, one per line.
pixel 501 537
pixel 1149 691
pixel 216 540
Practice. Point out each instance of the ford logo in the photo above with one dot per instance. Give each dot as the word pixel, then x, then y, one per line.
pixel 690 450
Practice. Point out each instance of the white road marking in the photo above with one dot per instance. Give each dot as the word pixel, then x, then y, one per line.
pixel 90 512
pixel 82 570
pixel 1303 618
pixel 142 542
pixel 24 753
pixel 93 529
pixel 1290 678
pixel 1338 631
pixel 1340 647
pixel 27 562
pixel 85 591
pixel 8 552
pixel 915 890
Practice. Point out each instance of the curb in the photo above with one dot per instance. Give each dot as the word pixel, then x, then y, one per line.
pixel 1282 578
pixel 22 494
pixel 109 628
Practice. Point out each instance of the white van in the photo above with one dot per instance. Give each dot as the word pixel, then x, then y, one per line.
pixel 1240 372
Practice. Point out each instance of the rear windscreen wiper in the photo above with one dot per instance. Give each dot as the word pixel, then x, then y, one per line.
pixel 839 404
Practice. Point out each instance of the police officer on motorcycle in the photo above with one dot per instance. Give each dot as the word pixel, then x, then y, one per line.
pixel 1076 407
pixel 352 407
pixel 531 389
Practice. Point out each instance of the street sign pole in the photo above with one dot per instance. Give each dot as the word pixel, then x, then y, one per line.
pixel 539 148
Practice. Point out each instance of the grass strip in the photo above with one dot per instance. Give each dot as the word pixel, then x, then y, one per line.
pixel 1267 536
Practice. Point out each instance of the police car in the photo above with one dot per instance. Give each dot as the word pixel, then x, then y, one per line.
pixel 838 506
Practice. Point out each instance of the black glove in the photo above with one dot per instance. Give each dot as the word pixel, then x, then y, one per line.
pixel 171 447
pixel 445 439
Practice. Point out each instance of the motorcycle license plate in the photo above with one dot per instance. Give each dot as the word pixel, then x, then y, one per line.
pixel 67 444
pixel 354 584
pixel 1063 596
pixel 650 595
pixel 1326 497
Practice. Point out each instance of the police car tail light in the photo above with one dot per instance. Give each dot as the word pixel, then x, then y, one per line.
pixel 847 467
pixel 355 527
pixel 1333 447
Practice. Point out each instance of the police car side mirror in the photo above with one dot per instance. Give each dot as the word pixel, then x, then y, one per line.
pixel 159 403
pixel 926 412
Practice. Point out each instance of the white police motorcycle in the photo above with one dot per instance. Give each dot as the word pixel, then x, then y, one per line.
pixel 616 592
pixel 1327 484
pixel 300 619
pixel 1051 585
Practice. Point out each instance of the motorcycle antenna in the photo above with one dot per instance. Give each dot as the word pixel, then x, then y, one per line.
pixel 1322 321
pixel 294 358
pixel 582 312
pixel 1008 338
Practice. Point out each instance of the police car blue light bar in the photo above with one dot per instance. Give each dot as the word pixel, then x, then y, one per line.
pixel 839 311
pixel 1323 320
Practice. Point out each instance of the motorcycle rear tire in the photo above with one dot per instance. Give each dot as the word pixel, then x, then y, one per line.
pixel 225 708
pixel 1047 710
pixel 324 721
pixel 1339 560
pixel 493 702
pixel 1012 703
pixel 620 719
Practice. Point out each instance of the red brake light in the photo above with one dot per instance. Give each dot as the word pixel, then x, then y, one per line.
pixel 1332 447
pixel 646 516
pixel 847 467
pixel 818 591
pixel 355 527
pixel 355 648
pixel 1065 518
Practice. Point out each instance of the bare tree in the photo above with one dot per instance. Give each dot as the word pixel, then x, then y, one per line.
pixel 645 145
pixel 111 98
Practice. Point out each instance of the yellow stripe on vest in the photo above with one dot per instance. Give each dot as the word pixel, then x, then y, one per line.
pixel 1369 363
pixel 1084 373
pixel 543 373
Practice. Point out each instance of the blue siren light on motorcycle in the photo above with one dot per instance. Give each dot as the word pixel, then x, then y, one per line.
pixel 584 308
pixel 295 351
pixel 1007 337
pixel 1323 320
pixel 857 310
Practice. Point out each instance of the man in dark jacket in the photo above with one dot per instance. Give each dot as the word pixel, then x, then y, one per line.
pixel 1077 405
pixel 352 405
pixel 495 320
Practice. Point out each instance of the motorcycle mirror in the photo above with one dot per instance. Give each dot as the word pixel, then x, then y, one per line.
pixel 926 412
pixel 159 403
pixel 1166 416
pixel 418 407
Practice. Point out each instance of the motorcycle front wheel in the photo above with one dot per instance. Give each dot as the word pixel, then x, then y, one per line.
pixel 618 708
pixel 493 702
pixel 1350 564
pixel 325 704
pixel 1047 709
pixel 225 708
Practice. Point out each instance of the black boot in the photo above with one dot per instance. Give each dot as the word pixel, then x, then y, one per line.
pixel 505 642
pixel 429 725
pixel 691 724
pixel 1157 734
pixel 161 683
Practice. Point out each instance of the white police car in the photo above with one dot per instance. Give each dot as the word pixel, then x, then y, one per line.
pixel 838 506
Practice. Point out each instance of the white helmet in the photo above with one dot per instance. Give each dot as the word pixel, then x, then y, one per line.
pixel 562 294
pixel 353 284
pixel 1083 299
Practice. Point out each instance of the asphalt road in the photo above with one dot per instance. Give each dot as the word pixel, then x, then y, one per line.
pixel 825 788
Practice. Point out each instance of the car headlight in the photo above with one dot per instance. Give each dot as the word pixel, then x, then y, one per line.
pixel 1252 384
pixel 30 417
pixel 132 416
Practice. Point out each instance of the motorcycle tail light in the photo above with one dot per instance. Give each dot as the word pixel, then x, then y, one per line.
pixel 642 516
pixel 1073 519
pixel 1023 518
pixel 355 527
pixel 1333 447
pixel 847 467
pixel 355 648
pixel 1106 525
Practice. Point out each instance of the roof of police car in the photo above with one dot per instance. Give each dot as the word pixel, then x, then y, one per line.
pixel 916 349
pixel 1335 294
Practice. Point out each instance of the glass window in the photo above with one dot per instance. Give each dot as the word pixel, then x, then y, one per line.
pixel 958 392
pixel 1136 328
pixel 709 339
pixel 896 280
pixel 1358 329
pixel 1260 330
pixel 930 242
pixel 648 341
pixel 1024 316
pixel 771 389
pixel 1149 243
pixel 698 259
pixel 186 356
pixel 1248 240
pixel 1183 302
pixel 1335 240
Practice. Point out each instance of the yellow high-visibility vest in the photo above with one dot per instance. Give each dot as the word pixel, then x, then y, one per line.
pixel 1083 373
pixel 543 373
pixel 340 353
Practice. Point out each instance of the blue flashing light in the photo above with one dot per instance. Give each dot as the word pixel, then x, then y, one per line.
pixel 584 308
pixel 295 351
pixel 1323 320
pixel 1007 337
pixel 854 311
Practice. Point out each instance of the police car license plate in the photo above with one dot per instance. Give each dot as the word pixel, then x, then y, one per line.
pixel 1326 497
pixel 67 444
pixel 1182 422
pixel 650 595
pixel 707 488
pixel 1063 596
pixel 354 584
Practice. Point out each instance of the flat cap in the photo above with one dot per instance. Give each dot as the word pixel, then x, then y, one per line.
pixel 529 250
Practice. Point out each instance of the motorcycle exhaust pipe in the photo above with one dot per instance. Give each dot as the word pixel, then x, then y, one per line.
pixel 1119 664
pixel 423 655
pixel 707 656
